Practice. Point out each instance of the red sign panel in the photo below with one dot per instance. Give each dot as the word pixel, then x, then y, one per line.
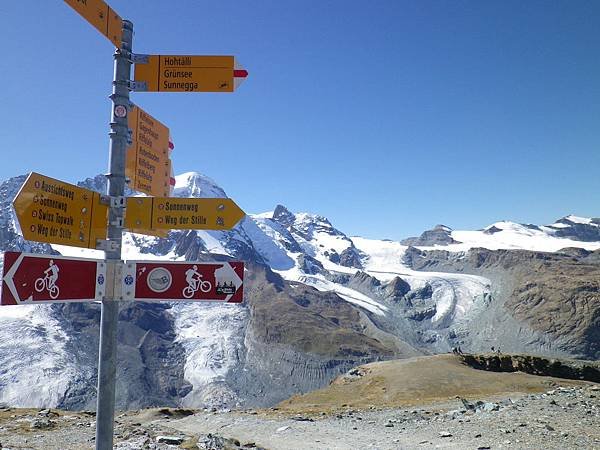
pixel 29 278
pixel 184 281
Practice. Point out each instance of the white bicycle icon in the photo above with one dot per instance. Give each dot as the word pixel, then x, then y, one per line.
pixel 204 286
pixel 47 284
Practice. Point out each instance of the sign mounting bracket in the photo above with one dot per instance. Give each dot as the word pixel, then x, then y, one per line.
pixel 118 202
pixel 107 245
pixel 138 86
pixel 137 58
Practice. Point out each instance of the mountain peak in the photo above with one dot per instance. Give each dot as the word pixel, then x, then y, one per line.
pixel 571 219
pixel 194 184
pixel 283 216
pixel 10 187
pixel 438 235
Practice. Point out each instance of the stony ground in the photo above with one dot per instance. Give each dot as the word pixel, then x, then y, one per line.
pixel 560 418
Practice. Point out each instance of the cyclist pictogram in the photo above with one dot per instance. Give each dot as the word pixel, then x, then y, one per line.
pixel 195 282
pixel 48 281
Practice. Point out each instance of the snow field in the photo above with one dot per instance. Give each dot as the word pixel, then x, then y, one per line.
pixel 36 369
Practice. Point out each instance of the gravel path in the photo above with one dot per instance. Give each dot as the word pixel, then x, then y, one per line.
pixel 562 418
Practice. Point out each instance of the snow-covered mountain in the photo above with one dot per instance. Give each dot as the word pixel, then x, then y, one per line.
pixel 318 302
pixel 569 231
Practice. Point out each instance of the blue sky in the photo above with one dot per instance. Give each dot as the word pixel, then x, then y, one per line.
pixel 388 117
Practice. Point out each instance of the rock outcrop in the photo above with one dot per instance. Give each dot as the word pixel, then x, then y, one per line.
pixel 535 365
pixel 439 235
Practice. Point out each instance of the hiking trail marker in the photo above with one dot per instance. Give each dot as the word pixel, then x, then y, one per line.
pixel 185 73
pixel 30 278
pixel 56 212
pixel 147 163
pixel 182 213
pixel 100 16
pixel 183 281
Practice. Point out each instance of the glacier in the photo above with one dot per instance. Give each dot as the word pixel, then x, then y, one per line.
pixel 301 248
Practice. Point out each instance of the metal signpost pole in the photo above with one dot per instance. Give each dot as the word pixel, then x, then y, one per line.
pixel 107 360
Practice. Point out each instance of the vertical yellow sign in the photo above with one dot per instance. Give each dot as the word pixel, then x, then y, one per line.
pixel 147 163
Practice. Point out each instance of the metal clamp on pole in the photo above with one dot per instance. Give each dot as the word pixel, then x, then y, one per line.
pixel 124 53
pixel 118 222
pixel 139 58
pixel 105 200
pixel 118 202
pixel 118 130
pixel 138 86
pixel 108 245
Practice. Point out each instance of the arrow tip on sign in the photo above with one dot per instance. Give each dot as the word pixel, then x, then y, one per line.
pixel 239 75
pixel 238 213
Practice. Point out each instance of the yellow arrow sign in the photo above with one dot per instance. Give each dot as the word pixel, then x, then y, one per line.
pixel 55 212
pixel 171 73
pixel 147 163
pixel 100 16
pixel 145 213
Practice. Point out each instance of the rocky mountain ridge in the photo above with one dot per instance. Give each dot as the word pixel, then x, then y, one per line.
pixel 318 302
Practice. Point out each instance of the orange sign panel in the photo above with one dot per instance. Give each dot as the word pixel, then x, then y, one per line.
pixel 147 162
pixel 55 212
pixel 182 213
pixel 100 16
pixel 169 73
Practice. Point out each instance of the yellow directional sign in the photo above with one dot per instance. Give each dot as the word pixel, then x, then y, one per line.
pixel 52 211
pixel 101 16
pixel 171 73
pixel 182 213
pixel 147 163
